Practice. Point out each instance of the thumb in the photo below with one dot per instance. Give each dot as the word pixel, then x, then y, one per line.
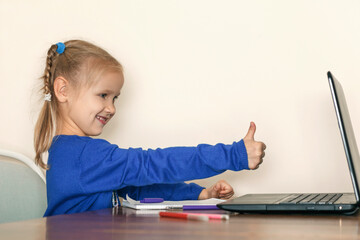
pixel 250 134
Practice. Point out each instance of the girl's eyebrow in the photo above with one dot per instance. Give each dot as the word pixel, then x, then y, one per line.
pixel 108 91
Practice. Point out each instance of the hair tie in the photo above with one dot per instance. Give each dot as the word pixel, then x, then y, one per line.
pixel 60 47
pixel 47 97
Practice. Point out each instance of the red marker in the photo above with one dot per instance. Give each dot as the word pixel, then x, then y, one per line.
pixel 194 216
pixel 184 216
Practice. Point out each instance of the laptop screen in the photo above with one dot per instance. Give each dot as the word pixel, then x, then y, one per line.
pixel 346 131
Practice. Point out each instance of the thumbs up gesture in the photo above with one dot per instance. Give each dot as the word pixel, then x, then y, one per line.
pixel 254 149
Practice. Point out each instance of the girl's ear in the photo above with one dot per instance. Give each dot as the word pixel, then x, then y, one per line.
pixel 61 89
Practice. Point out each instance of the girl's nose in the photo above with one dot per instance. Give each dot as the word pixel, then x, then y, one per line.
pixel 110 109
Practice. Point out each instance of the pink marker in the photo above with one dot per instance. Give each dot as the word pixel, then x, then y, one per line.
pixel 212 216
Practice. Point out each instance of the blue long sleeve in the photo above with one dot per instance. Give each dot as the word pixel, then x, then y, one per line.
pixel 137 167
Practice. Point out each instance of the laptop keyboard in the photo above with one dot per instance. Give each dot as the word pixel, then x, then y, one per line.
pixel 323 198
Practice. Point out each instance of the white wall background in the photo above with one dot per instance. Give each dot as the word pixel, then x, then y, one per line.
pixel 198 71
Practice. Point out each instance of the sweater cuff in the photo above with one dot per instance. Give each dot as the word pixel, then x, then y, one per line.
pixel 243 161
pixel 195 191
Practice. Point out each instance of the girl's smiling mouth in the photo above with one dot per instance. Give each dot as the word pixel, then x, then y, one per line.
pixel 103 120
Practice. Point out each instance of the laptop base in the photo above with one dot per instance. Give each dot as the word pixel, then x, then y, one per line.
pixel 271 203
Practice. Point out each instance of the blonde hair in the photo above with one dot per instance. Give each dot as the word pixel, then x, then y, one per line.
pixel 79 58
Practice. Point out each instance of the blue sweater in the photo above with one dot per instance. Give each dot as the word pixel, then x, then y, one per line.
pixel 85 171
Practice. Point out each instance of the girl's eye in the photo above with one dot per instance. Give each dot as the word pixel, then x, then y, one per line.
pixel 103 95
pixel 116 97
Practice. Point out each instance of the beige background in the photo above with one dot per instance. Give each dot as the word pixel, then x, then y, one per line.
pixel 199 72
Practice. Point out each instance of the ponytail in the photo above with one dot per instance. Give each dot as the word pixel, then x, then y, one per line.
pixel 44 132
pixel 45 125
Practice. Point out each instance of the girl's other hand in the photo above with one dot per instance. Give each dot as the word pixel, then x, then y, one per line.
pixel 221 190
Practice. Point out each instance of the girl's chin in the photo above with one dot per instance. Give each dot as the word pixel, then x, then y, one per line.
pixel 94 133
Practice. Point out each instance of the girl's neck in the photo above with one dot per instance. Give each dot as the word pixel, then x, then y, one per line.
pixel 68 131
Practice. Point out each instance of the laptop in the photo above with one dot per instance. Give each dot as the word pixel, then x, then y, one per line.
pixel 346 203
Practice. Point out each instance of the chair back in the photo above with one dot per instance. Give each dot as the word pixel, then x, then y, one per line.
pixel 22 188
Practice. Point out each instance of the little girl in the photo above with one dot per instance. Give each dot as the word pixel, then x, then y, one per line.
pixel 81 84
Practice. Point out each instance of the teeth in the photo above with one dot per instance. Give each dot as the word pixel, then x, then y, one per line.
pixel 101 118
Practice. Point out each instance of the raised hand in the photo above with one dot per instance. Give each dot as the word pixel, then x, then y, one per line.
pixel 255 150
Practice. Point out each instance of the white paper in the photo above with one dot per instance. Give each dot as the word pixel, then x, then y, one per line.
pixel 131 203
